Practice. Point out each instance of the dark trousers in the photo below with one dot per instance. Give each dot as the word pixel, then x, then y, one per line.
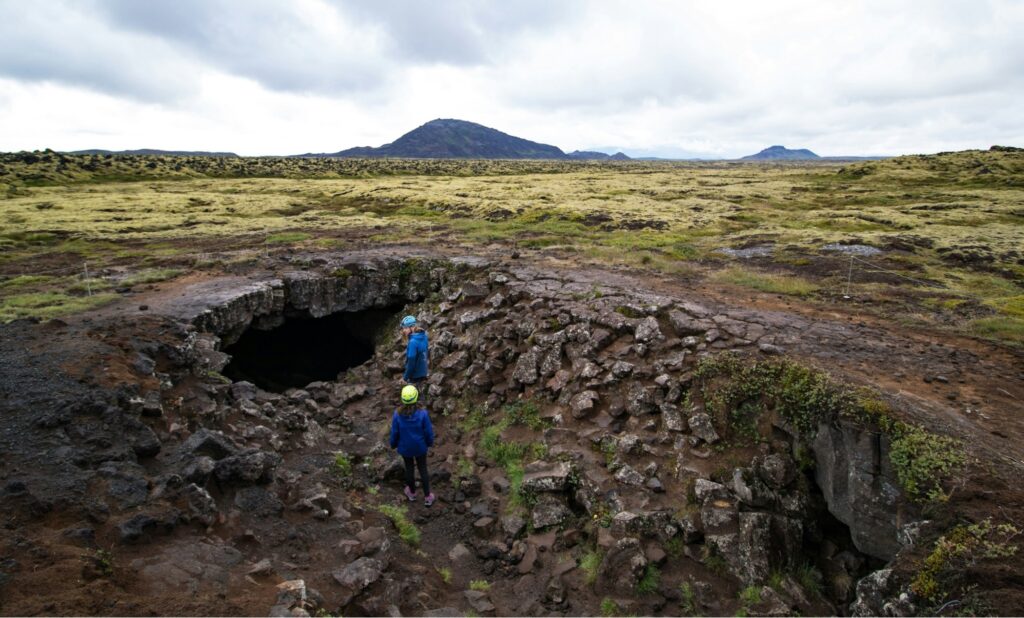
pixel 410 477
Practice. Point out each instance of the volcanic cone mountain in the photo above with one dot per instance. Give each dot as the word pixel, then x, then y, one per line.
pixel 456 139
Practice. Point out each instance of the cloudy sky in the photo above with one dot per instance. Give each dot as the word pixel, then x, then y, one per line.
pixel 663 78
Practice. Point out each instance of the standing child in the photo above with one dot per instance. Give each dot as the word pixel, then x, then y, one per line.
pixel 412 434
pixel 417 355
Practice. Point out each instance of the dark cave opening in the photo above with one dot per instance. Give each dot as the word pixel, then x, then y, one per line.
pixel 304 350
pixel 829 547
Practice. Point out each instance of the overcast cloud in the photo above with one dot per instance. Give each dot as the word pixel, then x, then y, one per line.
pixel 651 78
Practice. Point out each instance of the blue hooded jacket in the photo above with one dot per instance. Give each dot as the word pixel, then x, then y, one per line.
pixel 412 434
pixel 416 356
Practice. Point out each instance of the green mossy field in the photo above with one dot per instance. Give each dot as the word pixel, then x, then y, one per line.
pixel 949 227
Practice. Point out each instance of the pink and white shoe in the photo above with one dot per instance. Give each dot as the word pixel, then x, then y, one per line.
pixel 410 494
pixel 428 500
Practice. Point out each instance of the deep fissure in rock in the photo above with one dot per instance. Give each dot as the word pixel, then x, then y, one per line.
pixel 304 350
pixel 829 546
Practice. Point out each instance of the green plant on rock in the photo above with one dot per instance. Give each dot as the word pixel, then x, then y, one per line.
pixel 609 607
pixel 921 460
pixel 750 596
pixel 445 573
pixel 674 547
pixel 465 467
pixel 649 581
pixel 216 376
pixel 741 391
pixel 474 419
pixel 104 562
pixel 399 516
pixel 481 585
pixel 509 454
pixel 958 549
pixel 714 562
pixel 687 600
pixel 591 564
pixel 342 465
pixel 526 412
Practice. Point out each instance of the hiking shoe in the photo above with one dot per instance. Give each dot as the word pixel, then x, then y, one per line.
pixel 428 500
pixel 410 494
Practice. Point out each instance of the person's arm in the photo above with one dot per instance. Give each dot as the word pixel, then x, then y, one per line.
pixel 410 360
pixel 394 430
pixel 428 429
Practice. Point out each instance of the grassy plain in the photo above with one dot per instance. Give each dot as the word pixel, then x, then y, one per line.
pixel 950 227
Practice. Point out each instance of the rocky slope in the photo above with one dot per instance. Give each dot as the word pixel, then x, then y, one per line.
pixel 580 463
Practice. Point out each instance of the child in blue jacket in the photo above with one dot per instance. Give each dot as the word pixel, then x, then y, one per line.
pixel 417 354
pixel 412 434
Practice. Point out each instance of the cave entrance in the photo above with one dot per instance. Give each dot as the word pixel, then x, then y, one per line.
pixel 304 350
pixel 829 547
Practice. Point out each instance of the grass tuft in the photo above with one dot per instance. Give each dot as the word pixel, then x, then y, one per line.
pixel 406 529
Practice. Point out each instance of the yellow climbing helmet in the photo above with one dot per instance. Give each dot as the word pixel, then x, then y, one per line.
pixel 410 394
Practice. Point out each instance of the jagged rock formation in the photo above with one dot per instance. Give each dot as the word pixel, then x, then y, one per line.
pixel 607 455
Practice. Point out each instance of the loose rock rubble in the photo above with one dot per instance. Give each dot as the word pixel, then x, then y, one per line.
pixel 615 461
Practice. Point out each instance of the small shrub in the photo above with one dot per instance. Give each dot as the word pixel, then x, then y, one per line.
pixel 921 460
pixel 104 562
pixel 480 584
pixel 750 596
pixel 650 580
pixel 446 574
pixel 526 413
pixel 742 391
pixel 687 600
pixel 475 419
pixel 591 563
pixel 399 516
pixel 609 607
pixel 342 465
pixel 715 563
pixel 674 547
pixel 959 548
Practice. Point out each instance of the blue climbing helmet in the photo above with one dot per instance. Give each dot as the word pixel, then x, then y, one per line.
pixel 409 321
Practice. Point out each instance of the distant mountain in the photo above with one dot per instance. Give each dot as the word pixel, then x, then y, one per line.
pixel 776 153
pixel 588 155
pixel 455 139
pixel 593 155
pixel 151 151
